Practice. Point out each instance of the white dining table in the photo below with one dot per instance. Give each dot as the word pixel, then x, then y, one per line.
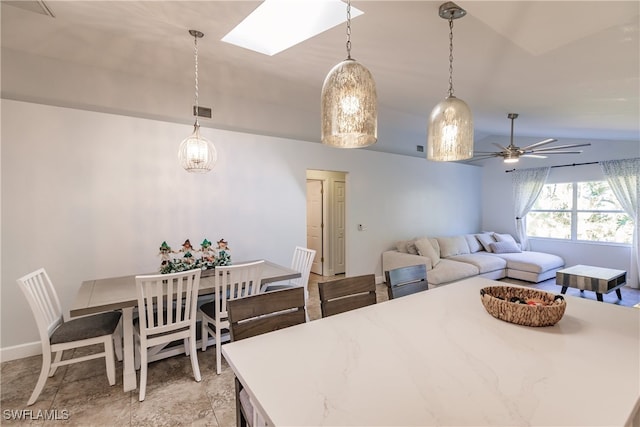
pixel 438 358
pixel 119 293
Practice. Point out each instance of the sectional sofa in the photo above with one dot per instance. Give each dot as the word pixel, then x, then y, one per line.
pixel 491 255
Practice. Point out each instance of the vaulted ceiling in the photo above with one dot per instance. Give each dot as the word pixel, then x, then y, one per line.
pixel 570 69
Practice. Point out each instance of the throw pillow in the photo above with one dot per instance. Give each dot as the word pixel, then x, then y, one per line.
pixel 504 238
pixel 474 244
pixel 485 239
pixel 504 247
pixel 401 246
pixel 450 246
pixel 411 247
pixel 425 248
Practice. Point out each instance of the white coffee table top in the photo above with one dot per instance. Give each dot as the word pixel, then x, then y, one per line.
pixel 591 271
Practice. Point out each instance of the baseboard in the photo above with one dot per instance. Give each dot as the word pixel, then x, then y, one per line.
pixel 379 279
pixel 20 351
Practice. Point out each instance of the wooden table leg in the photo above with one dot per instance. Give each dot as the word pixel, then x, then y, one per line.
pixel 128 371
pixel 599 296
pixel 564 290
pixel 619 294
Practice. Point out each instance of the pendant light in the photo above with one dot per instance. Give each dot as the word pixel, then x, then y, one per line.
pixel 197 153
pixel 349 102
pixel 450 132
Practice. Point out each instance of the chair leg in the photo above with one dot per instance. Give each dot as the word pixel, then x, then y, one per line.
pixel 117 341
pixel 204 334
pixel 218 351
pixel 42 379
pixel 185 343
pixel 110 360
pixel 194 357
pixel 143 372
pixel 54 366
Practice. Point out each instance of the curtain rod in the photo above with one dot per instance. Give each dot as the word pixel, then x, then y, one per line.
pixel 563 166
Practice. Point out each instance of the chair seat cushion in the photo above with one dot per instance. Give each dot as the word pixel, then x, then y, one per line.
pixel 84 328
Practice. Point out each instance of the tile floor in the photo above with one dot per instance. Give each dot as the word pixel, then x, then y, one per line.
pixel 81 394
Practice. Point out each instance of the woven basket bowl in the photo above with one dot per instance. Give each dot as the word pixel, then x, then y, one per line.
pixel 522 314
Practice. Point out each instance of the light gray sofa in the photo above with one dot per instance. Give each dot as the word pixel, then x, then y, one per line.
pixel 490 255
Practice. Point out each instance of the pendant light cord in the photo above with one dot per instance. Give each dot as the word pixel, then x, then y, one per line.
pixel 451 56
pixel 349 29
pixel 196 78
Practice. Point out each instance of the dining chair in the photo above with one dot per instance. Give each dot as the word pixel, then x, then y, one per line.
pixel 406 280
pixel 230 282
pixel 346 294
pixel 302 261
pixel 166 312
pixel 58 335
pixel 259 314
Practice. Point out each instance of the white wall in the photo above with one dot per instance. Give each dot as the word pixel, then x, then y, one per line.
pixel 497 202
pixel 89 195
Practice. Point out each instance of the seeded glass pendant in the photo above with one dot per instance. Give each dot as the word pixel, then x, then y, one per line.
pixel 450 128
pixel 196 153
pixel 349 103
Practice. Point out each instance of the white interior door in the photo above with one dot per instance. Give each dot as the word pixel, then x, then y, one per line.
pixel 314 222
pixel 338 230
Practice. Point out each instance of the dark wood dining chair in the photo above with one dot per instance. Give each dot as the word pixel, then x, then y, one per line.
pixel 338 296
pixel 259 314
pixel 406 280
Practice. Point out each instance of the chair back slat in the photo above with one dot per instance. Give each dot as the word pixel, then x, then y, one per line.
pixel 266 312
pixel 302 261
pixel 167 302
pixel 346 294
pixel 236 281
pixel 406 280
pixel 43 300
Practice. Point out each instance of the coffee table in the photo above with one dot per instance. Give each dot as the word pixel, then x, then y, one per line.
pixel 588 278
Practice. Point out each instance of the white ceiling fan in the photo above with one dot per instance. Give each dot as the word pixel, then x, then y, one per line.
pixel 512 153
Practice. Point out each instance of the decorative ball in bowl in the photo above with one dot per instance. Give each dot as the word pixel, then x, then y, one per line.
pixel 522 306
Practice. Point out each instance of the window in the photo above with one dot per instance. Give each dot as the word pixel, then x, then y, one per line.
pixel 580 211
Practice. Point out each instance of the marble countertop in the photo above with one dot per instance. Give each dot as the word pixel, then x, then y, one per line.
pixel 438 358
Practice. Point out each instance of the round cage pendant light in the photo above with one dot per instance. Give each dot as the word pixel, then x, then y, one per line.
pixel 450 129
pixel 196 153
pixel 349 102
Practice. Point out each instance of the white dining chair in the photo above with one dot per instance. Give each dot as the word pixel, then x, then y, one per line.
pixel 167 307
pixel 230 282
pixel 302 261
pixel 58 335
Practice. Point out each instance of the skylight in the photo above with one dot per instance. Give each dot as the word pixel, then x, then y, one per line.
pixel 276 25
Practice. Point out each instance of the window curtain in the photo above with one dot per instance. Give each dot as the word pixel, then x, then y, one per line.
pixel 624 179
pixel 527 185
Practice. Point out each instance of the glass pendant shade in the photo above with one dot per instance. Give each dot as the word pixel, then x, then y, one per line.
pixel 197 153
pixel 349 106
pixel 450 132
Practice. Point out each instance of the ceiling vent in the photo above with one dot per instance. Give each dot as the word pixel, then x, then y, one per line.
pixel 36 6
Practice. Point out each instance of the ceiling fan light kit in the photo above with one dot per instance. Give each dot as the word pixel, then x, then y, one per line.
pixel 450 128
pixel 512 153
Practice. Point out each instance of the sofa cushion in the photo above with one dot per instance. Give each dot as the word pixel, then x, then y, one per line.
pixel 425 248
pixel 534 262
pixel 450 246
pixel 504 247
pixel 485 262
pixel 450 271
pixel 474 244
pixel 485 239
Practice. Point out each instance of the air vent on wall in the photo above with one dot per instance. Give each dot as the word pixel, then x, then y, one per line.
pixel 36 6
pixel 420 148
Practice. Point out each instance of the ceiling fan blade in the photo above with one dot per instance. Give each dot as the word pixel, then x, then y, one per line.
pixel 500 146
pixel 538 144
pixel 534 156
pixel 561 147
pixel 559 152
